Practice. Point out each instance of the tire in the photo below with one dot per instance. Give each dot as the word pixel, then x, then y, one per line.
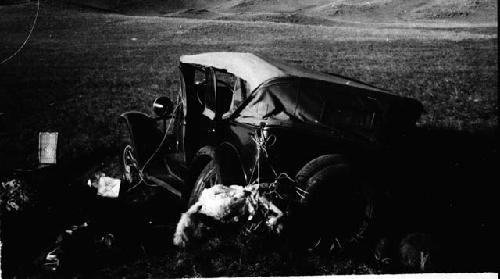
pixel 315 165
pixel 207 178
pixel 128 161
pixel 338 208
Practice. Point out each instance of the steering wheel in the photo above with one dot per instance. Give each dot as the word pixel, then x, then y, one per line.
pixel 203 84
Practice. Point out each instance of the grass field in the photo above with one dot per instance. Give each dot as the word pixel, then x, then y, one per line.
pixel 86 68
pixel 81 69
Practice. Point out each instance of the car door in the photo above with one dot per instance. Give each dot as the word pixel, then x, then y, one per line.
pixel 217 99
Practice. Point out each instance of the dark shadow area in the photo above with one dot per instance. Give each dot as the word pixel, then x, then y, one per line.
pixel 438 182
pixel 442 183
pixel 110 231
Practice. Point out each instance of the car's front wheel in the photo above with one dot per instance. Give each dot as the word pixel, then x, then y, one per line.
pixel 207 178
pixel 130 165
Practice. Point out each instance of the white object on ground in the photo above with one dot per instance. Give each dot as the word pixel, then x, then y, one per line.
pixel 228 205
pixel 107 186
pixel 221 202
pixel 47 147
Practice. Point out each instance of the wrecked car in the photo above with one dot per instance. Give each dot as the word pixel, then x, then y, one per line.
pixel 242 118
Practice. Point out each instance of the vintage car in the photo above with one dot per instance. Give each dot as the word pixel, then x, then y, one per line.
pixel 241 118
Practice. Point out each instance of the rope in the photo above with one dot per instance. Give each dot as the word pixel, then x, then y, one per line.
pixel 27 38
pixel 141 170
pixel 262 143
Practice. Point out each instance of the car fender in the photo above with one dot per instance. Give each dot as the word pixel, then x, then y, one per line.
pixel 228 163
pixel 200 160
pixel 143 132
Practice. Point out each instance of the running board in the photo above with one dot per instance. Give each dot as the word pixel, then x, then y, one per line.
pixel 163 184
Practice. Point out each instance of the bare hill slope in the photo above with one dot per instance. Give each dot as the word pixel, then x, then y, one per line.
pixel 316 11
pixel 378 10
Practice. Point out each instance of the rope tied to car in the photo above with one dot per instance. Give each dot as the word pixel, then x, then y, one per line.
pixel 142 175
pixel 263 142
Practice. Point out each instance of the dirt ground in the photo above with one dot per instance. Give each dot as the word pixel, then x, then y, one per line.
pixel 81 68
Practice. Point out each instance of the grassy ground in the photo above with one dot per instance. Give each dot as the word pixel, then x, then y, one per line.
pixel 81 69
pixel 86 68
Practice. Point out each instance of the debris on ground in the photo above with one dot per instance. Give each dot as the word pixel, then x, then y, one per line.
pixel 412 252
pixel 253 207
pixel 79 245
pixel 13 195
pixel 107 187
pixel 113 227
pixel 415 252
pixel 52 259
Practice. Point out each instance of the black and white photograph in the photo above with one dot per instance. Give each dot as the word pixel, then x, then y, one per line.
pixel 248 138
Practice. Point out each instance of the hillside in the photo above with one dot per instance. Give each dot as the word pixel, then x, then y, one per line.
pixel 314 11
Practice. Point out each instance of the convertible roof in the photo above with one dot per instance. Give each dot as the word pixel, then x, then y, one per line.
pixel 297 96
pixel 257 69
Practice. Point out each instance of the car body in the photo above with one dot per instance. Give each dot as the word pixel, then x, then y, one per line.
pixel 256 117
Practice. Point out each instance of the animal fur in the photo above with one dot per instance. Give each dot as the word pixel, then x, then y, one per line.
pixel 237 205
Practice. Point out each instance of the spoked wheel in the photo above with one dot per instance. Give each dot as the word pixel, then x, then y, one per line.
pixel 130 165
pixel 338 207
pixel 208 177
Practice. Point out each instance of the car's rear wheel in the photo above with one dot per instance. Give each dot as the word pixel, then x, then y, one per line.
pixel 317 164
pixel 338 207
pixel 207 178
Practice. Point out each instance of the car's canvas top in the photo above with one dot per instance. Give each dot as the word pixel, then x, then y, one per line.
pixel 329 106
pixel 258 69
pixel 291 95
